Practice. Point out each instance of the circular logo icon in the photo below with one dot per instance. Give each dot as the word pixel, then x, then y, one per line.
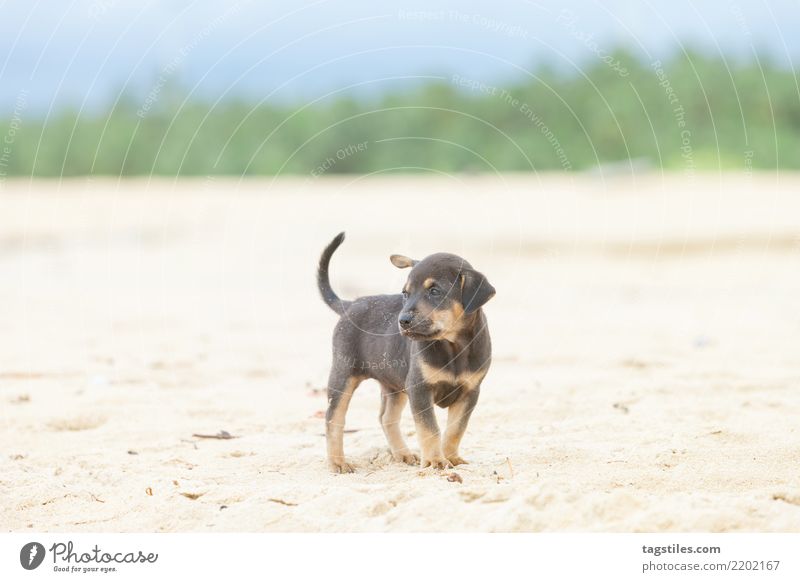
pixel 31 555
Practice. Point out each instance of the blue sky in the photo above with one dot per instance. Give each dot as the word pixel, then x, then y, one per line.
pixel 81 53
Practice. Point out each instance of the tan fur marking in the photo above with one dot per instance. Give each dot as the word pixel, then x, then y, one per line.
pixel 335 427
pixel 391 422
pixel 434 375
pixel 453 323
pixel 401 261
pixel 455 430
pixel 467 380
pixel 429 282
pixel 449 321
pixel 430 445
pixel 470 380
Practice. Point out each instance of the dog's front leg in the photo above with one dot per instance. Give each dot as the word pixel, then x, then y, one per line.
pixel 430 443
pixel 457 418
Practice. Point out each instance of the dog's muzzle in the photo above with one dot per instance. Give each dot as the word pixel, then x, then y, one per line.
pixel 406 321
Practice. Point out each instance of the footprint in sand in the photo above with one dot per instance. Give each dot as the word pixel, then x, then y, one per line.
pixel 76 423
pixel 791 497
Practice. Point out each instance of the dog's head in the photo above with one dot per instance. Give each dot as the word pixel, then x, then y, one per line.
pixel 440 296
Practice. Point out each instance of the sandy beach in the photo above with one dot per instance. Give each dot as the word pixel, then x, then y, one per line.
pixel 646 371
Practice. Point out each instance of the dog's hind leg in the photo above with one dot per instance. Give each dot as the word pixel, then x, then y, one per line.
pixel 340 390
pixel 392 405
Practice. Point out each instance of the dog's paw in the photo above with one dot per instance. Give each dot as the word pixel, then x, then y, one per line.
pixel 341 467
pixel 406 457
pixel 436 463
pixel 456 460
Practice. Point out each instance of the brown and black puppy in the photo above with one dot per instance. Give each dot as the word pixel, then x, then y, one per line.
pixel 429 344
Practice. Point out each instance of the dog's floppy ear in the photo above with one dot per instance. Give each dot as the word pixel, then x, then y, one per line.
pixel 475 290
pixel 402 262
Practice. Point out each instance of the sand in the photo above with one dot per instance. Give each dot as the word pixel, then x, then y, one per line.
pixel 646 336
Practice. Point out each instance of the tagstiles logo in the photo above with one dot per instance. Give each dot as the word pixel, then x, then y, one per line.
pixel 31 555
pixel 67 559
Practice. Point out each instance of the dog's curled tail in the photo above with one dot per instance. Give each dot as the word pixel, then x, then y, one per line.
pixel 328 295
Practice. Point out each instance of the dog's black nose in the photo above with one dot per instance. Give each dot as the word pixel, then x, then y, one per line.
pixel 405 320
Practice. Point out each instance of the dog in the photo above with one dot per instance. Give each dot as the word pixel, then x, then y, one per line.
pixel 429 344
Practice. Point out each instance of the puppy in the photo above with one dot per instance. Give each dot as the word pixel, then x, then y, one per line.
pixel 429 344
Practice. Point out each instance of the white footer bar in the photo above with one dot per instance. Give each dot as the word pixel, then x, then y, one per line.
pixel 388 557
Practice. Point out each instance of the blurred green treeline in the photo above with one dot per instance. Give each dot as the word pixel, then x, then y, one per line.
pixel 693 112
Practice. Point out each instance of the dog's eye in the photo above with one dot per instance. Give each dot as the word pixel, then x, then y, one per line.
pixel 404 294
pixel 434 292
